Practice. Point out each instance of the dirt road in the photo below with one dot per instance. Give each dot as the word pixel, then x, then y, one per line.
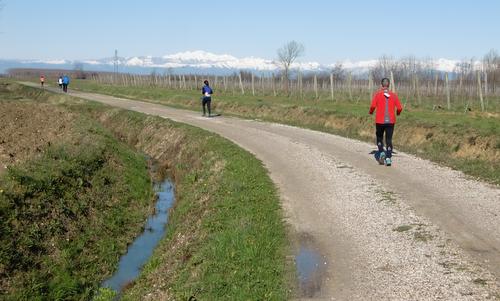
pixel 414 231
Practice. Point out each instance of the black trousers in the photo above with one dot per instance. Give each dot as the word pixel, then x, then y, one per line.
pixel 65 87
pixel 388 129
pixel 206 102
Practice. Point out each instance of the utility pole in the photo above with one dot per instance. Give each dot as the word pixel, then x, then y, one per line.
pixel 115 65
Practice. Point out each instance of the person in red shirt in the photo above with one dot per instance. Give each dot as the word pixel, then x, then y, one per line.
pixel 386 104
pixel 42 80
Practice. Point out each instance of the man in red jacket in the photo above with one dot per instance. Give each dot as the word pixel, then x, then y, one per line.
pixel 385 102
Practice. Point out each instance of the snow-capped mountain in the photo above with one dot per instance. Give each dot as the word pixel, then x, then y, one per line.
pixel 203 60
pixel 199 62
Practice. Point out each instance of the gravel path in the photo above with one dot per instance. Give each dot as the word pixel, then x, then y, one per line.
pixel 414 231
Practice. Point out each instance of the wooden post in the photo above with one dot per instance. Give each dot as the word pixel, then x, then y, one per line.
pixel 461 89
pixel 418 90
pixel 408 91
pixel 262 87
pixel 316 86
pixel 253 85
pixel 480 90
pixel 349 84
pixel 414 84
pixel 393 83
pixel 299 80
pixel 274 85
pixel 436 86
pixel 460 84
pixel 331 86
pixel 241 84
pixel 230 84
pixel 370 87
pixel 486 87
pixel 448 101
pixel 485 84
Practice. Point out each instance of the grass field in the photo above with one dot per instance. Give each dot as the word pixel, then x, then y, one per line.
pixel 469 142
pixel 69 208
pixel 226 239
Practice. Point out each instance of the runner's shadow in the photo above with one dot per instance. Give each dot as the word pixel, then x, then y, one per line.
pixel 373 152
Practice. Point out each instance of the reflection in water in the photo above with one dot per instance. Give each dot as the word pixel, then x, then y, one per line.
pixel 143 246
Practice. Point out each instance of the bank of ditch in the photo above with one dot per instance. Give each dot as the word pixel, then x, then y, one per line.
pixel 71 198
pixel 226 239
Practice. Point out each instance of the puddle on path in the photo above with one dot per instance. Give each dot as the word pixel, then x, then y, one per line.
pixel 311 267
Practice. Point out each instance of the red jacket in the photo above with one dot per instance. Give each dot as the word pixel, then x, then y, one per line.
pixel 379 104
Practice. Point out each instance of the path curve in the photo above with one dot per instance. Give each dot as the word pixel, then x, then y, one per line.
pixel 414 231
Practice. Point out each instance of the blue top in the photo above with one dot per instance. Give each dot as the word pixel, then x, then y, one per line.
pixel 65 79
pixel 206 89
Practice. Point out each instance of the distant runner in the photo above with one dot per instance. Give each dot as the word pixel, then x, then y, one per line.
pixel 60 82
pixel 65 83
pixel 206 99
pixel 384 102
pixel 42 80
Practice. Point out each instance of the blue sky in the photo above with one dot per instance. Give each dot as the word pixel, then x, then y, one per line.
pixel 330 30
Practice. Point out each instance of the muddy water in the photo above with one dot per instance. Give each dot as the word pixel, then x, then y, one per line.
pixel 311 268
pixel 142 248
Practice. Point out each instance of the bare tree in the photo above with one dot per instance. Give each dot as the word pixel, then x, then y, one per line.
pixel 338 71
pixel 491 64
pixel 491 60
pixel 286 56
pixel 384 66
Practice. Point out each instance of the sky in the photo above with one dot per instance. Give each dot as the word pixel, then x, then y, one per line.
pixel 329 30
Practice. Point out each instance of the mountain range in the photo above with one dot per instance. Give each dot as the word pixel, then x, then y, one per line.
pixel 198 61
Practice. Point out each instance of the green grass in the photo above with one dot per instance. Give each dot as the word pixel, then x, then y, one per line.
pixel 67 215
pixel 467 142
pixel 226 239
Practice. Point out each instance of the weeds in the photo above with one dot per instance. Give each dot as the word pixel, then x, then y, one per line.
pixel 67 215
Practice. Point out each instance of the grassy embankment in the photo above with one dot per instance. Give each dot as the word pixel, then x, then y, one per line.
pixel 69 207
pixel 467 142
pixel 225 240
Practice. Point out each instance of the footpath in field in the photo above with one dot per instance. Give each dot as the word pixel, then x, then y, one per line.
pixel 413 231
pixel 469 142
